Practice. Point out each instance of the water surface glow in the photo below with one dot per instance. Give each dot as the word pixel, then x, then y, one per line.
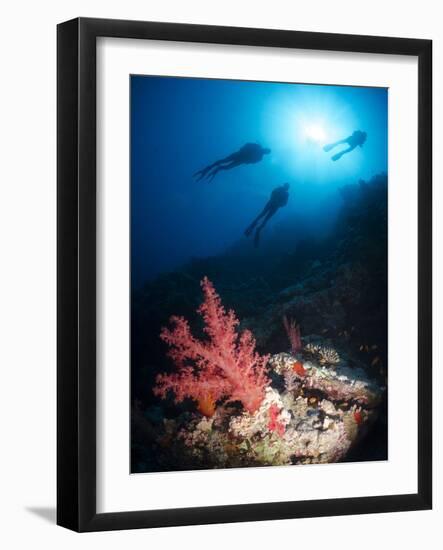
pixel 179 125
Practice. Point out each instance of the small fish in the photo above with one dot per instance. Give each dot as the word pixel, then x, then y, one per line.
pixel 375 361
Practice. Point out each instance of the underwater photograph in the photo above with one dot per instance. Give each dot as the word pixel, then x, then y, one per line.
pixel 259 273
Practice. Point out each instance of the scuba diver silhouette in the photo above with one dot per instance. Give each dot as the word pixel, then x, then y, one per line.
pixel 279 198
pixel 250 153
pixel 357 138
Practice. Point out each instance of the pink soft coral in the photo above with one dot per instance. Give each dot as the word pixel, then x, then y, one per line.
pixel 225 366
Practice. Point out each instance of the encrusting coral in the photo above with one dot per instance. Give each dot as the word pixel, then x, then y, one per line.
pixel 284 430
pixel 270 417
pixel 289 426
pixel 223 367
pixel 314 417
pixel 338 384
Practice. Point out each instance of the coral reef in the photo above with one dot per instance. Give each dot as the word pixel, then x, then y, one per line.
pixel 322 402
pixel 289 427
pixel 224 367
pixel 337 384
pixel 326 356
pixel 293 333
pixel 314 417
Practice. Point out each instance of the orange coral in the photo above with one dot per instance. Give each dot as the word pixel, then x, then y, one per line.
pixel 206 405
pixel 299 368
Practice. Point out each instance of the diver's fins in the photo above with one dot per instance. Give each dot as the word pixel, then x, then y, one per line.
pixel 327 148
pixel 201 174
pixel 337 156
pixel 249 230
pixel 211 175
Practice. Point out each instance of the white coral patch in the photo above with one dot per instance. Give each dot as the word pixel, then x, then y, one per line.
pixel 248 425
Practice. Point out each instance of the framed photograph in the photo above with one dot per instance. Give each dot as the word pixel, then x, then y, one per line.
pixel 244 274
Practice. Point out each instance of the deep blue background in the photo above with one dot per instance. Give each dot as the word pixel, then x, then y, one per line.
pixel 178 125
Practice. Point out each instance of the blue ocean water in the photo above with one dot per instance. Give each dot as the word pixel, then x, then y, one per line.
pixel 180 125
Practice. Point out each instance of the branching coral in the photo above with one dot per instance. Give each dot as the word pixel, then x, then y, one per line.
pixel 326 356
pixel 224 366
pixel 293 333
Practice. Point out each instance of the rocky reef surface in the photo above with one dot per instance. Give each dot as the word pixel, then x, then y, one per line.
pixel 327 400
pixel 310 414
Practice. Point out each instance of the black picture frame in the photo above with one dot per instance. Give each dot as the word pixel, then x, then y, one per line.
pixel 76 266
